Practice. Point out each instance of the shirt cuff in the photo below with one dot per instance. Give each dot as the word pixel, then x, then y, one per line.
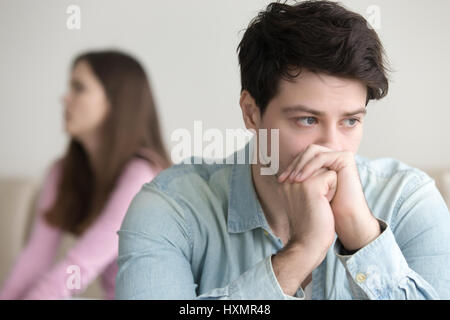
pixel 375 267
pixel 261 283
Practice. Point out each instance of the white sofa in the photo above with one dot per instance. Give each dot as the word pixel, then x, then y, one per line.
pixel 17 197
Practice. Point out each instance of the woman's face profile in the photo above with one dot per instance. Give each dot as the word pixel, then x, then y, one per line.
pixel 85 103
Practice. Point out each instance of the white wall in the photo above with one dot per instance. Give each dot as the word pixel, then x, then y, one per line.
pixel 189 50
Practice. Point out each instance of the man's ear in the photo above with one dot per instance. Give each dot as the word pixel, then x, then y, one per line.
pixel 250 111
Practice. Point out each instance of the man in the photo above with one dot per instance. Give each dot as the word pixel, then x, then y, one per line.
pixel 330 221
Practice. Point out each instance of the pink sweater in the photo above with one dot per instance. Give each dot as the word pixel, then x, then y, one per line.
pixel 36 276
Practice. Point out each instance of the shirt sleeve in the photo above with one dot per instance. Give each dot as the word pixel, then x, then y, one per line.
pixel 411 260
pixel 97 247
pixel 40 249
pixel 155 249
pixel 257 283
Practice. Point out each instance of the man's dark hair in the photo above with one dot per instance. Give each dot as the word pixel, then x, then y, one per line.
pixel 321 36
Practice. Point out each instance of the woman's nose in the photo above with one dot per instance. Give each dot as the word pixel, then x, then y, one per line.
pixel 65 99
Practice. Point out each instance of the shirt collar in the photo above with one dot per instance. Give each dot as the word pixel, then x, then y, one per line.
pixel 244 209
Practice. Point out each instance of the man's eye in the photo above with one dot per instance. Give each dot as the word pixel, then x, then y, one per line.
pixel 306 121
pixel 352 122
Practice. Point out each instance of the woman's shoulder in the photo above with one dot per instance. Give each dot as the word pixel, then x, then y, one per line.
pixel 140 169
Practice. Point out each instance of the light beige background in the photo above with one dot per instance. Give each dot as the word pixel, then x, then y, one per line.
pixel 189 51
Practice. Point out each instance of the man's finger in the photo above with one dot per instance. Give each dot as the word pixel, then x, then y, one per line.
pixel 289 168
pixel 324 159
pixel 309 154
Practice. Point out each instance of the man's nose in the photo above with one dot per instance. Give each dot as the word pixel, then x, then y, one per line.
pixel 330 139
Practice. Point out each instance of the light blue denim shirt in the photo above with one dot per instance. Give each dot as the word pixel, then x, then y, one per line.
pixel 197 231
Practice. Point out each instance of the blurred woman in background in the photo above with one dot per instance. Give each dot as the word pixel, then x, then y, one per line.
pixel 115 147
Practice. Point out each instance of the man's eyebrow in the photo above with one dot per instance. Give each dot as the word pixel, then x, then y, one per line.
pixel 353 113
pixel 300 108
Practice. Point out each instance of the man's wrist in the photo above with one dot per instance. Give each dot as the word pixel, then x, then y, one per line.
pixel 291 266
pixel 351 244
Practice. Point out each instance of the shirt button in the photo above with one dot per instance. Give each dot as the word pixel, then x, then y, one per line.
pixel 361 277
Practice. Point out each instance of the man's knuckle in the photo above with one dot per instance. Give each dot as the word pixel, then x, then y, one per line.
pixel 313 147
pixel 319 156
pixel 348 154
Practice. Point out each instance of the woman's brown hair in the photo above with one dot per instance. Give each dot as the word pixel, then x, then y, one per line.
pixel 130 129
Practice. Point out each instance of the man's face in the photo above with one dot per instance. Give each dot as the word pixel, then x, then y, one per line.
pixel 316 109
